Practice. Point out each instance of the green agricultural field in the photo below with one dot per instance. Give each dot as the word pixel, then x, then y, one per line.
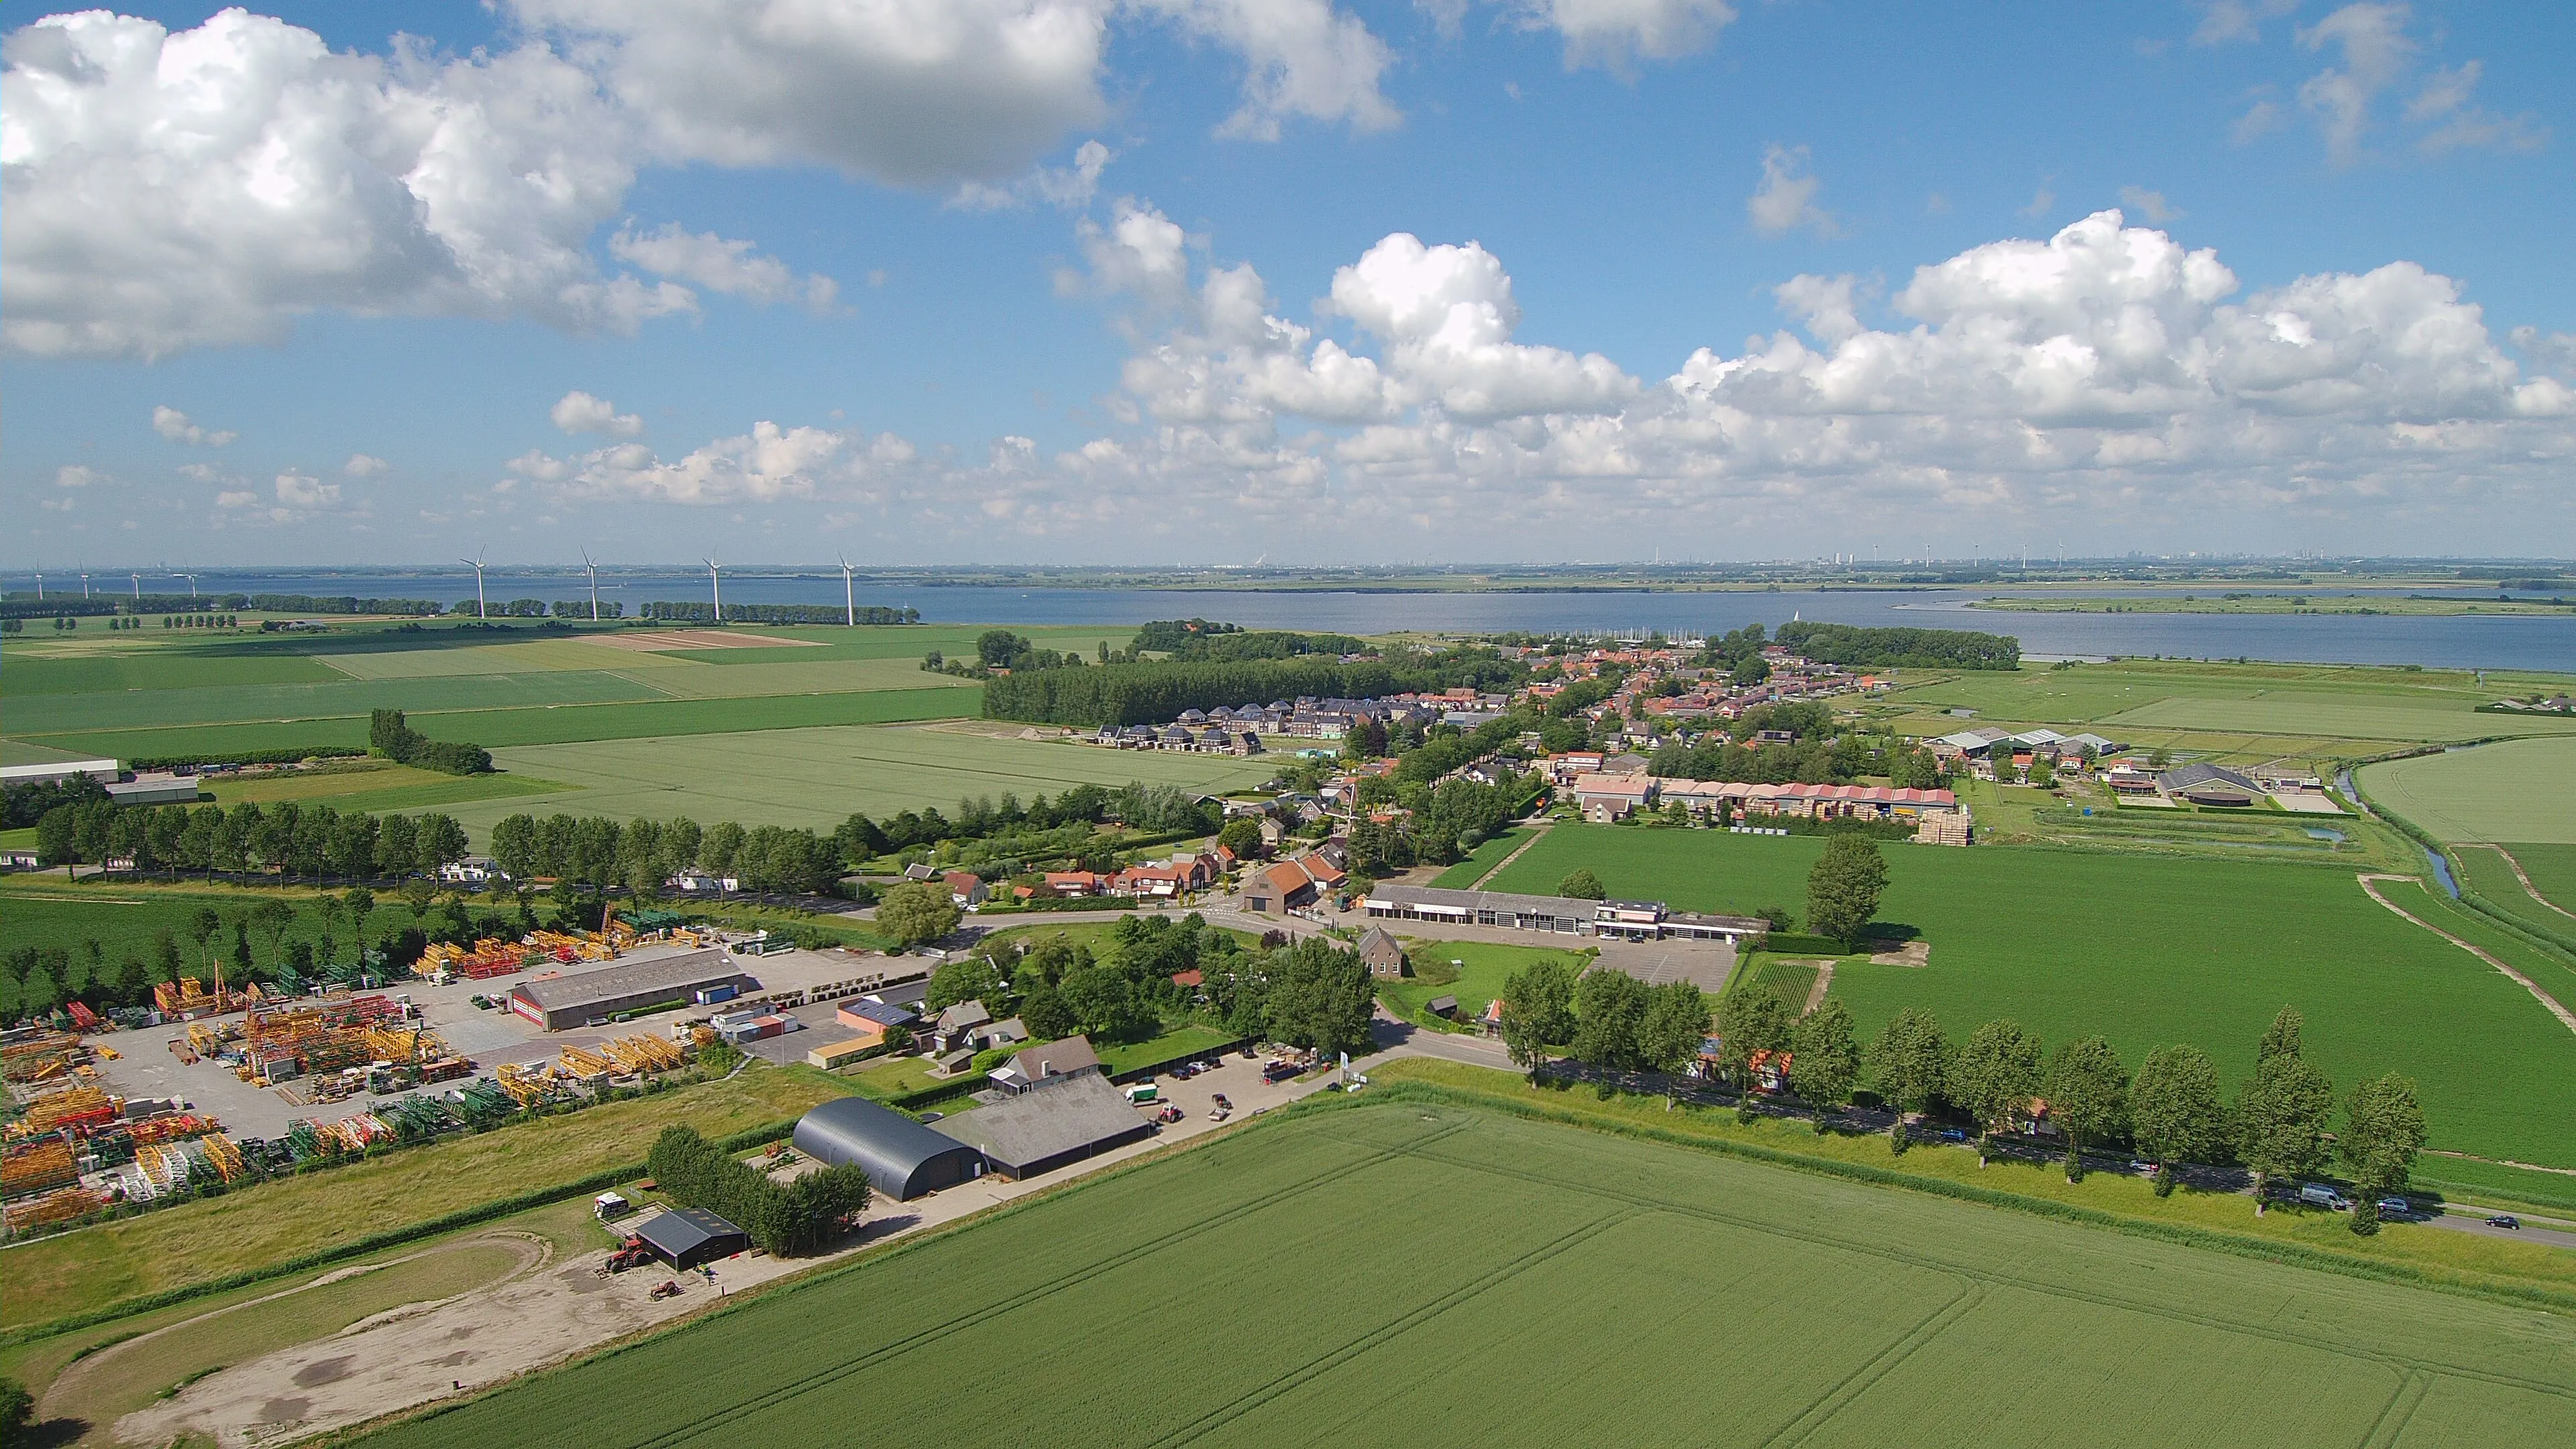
pixel 2552 869
pixel 243 1231
pixel 401 789
pixel 817 777
pixel 2313 701
pixel 1476 980
pixel 126 921
pixel 2516 790
pixel 154 670
pixel 2487 871
pixel 1431 1272
pixel 550 725
pixel 2150 950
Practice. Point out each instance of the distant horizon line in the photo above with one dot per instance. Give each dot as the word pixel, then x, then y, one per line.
pixel 1813 564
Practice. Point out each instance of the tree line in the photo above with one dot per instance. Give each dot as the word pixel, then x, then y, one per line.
pixel 390 736
pixel 1310 993
pixel 297 839
pixel 598 854
pixel 684 611
pixel 1853 647
pixel 790 1219
pixel 1158 690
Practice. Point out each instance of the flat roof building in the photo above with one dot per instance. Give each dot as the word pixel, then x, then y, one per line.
pixel 691 1236
pixel 903 1158
pixel 558 1002
pixel 1054 1122
pixel 1560 915
pixel 60 770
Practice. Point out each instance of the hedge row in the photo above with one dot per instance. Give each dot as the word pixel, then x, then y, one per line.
pixel 606 1177
pixel 246 757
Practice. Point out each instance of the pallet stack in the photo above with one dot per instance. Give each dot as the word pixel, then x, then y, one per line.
pixel 37 1166
pixel 639 1054
pixel 40 1056
pixel 59 1206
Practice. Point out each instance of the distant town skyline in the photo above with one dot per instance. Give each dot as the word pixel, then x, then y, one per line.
pixel 1068 282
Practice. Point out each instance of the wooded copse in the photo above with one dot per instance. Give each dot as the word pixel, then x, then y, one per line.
pixel 1853 647
pixel 389 735
pixel 1159 690
pixel 790 1219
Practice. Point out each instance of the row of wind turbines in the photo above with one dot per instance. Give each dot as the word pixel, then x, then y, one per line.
pixel 590 566
pixel 166 572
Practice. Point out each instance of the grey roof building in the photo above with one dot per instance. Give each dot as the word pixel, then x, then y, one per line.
pixel 1057 1121
pixel 691 1236
pixel 2203 783
pixel 903 1158
pixel 566 1001
pixel 1048 1059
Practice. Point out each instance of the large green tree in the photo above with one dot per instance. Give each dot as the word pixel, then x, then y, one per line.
pixel 1609 1007
pixel 1671 1034
pixel 968 978
pixel 913 912
pixel 1538 1011
pixel 2175 1111
pixel 2088 1096
pixel 1994 1077
pixel 1910 1063
pixel 1749 1020
pixel 1824 1059
pixel 1582 885
pixel 2282 1110
pixel 1843 888
pixel 2383 1130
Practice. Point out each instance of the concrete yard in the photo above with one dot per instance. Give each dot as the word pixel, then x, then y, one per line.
pixel 490 1037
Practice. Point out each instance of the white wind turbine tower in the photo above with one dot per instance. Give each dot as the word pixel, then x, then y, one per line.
pixel 40 588
pixel 138 587
pixel 476 563
pixel 849 591
pixel 192 583
pixel 717 585
pixel 593 570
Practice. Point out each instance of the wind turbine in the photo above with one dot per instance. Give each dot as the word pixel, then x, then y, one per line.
pixel 476 563
pixel 594 584
pixel 138 586
pixel 40 588
pixel 84 583
pixel 849 591
pixel 192 584
pixel 717 585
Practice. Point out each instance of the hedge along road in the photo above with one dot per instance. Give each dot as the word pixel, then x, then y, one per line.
pixel 2150 950
pixel 1882 1315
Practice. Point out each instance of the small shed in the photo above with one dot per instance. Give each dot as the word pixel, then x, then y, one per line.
pixel 1442 1006
pixel 691 1236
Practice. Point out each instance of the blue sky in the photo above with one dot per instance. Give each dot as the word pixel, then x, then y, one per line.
pixel 2332 314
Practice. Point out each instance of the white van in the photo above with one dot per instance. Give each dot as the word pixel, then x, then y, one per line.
pixel 1142 1093
pixel 2317 1194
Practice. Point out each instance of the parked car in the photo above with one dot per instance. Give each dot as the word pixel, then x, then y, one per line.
pixel 2318 1194
pixel 1278 1072
pixel 2505 1220
pixel 1218 1099
pixel 2395 1207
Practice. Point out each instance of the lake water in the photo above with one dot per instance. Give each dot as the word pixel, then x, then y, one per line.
pixel 2546 642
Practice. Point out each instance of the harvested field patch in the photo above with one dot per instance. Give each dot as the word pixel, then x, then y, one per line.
pixel 656 639
pixel 1300 1247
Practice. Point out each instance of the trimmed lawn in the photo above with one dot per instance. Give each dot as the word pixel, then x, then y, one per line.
pixel 1186 1040
pixel 2148 950
pixel 274 1221
pixel 1477 979
pixel 1883 1314
pixel 1465 874
pixel 2516 790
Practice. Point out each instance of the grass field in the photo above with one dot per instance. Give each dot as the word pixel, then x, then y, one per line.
pixel 125 920
pixel 1465 874
pixel 1429 1272
pixel 2515 790
pixel 818 777
pixel 1477 979
pixel 378 787
pixel 201 1241
pixel 2486 871
pixel 2147 951
pixel 2552 869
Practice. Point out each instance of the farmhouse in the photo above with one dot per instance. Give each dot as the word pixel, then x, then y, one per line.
pixel 1053 1123
pixel 903 1158
pixel 594 996
pixel 1040 1063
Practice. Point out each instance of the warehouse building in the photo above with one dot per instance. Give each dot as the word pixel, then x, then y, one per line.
pixel 903 1158
pixel 1558 915
pixel 592 998
pixel 1052 1123
pixel 691 1236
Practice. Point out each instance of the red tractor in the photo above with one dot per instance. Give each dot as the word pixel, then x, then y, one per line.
pixel 632 1255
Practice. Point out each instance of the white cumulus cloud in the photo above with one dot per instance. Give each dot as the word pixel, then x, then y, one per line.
pixel 1302 60
pixel 721 265
pixel 1616 34
pixel 77 475
pixel 579 412
pixel 1785 198
pixel 361 465
pixel 174 425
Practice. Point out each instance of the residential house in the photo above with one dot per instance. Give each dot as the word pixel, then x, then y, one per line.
pixel 1382 952
pixel 954 1029
pixel 1279 888
pixel 1064 1058
pixel 1606 799
pixel 965 888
